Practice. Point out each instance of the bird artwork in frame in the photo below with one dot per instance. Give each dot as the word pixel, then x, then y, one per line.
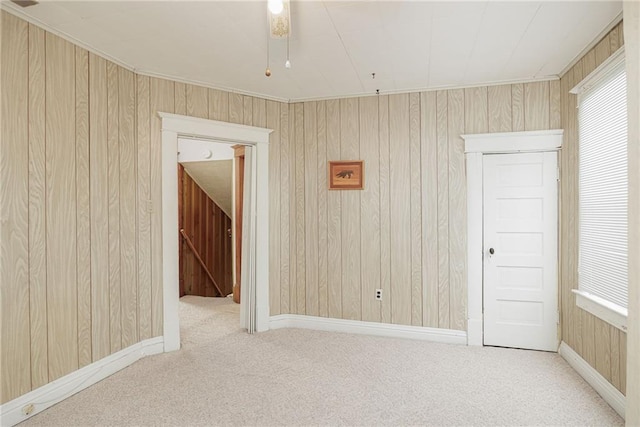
pixel 346 175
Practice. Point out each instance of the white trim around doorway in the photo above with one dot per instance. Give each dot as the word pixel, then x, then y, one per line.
pixel 173 127
pixel 476 146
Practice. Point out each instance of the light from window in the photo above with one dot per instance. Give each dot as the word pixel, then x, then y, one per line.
pixel 603 186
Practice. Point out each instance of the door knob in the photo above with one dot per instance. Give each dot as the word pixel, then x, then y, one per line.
pixel 491 251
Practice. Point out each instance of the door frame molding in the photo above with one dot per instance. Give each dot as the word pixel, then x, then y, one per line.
pixel 174 126
pixel 475 146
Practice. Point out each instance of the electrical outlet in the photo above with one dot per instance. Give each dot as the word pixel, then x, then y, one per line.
pixel 378 294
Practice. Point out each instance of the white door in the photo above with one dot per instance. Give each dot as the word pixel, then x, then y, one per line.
pixel 520 250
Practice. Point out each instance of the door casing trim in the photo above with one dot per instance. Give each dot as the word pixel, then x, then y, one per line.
pixel 174 126
pixel 477 145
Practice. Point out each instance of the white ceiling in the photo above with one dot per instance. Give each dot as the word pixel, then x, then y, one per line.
pixel 215 178
pixel 335 45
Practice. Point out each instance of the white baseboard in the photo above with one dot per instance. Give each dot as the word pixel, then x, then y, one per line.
pixel 609 393
pixel 447 336
pixel 27 405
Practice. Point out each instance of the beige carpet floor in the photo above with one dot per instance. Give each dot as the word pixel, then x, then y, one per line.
pixel 223 376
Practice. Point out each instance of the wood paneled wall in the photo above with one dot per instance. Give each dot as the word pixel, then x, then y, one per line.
pixel 80 180
pixel 81 222
pixel 405 233
pixel 208 229
pixel 600 344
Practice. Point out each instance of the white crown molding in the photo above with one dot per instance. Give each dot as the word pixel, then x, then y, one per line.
pixel 609 393
pixel 590 46
pixel 29 404
pixel 447 336
pixel 142 72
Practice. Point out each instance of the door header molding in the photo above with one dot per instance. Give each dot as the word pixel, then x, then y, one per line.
pixel 513 142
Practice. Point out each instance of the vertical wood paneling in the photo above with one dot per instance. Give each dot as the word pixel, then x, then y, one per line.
pixel 499 106
pixel 161 100
pixel 197 101
pixel 588 338
pixel 311 207
pixel 300 277
pixel 180 90
pixel 443 209
pixel 385 212
pixel 623 363
pixel 588 64
pixel 247 107
pixel 603 352
pixel 62 294
pixel 621 33
pixel 218 105
pixel 351 250
pixel 615 356
pixel 260 113
pixel 128 229
pixel 458 208
pixel 603 50
pixel 14 233
pixel 293 303
pixel 143 121
pixel 614 334
pixel 236 108
pixel 99 173
pixel 83 212
pixel 517 107
pixel 429 167
pixel 416 210
pixel 37 210
pixel 554 105
pixel 334 215
pixel 370 208
pixel 323 308
pixel 273 122
pixel 614 39
pixel 293 249
pixel 113 149
pixel 536 106
pixel 329 249
pixel 400 185
pixel 285 162
pixel 476 110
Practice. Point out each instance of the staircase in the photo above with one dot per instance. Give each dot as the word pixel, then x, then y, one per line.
pixel 205 242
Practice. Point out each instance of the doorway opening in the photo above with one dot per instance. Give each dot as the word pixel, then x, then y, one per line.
pixel 254 306
pixel 205 218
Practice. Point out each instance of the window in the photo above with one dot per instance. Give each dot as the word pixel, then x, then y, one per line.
pixel 603 192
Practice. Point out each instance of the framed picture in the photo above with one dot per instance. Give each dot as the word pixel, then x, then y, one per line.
pixel 346 175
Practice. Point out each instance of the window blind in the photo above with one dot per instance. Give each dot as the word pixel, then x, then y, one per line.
pixel 603 187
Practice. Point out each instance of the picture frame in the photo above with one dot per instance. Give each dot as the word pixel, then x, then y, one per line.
pixel 346 175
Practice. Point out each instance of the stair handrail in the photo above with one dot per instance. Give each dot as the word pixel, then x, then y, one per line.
pixel 197 255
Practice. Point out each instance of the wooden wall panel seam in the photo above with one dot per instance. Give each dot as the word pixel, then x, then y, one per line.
pixel 61 198
pixel 15 349
pixel 415 209
pixel 37 210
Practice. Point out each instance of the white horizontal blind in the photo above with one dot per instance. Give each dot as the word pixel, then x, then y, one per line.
pixel 603 187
